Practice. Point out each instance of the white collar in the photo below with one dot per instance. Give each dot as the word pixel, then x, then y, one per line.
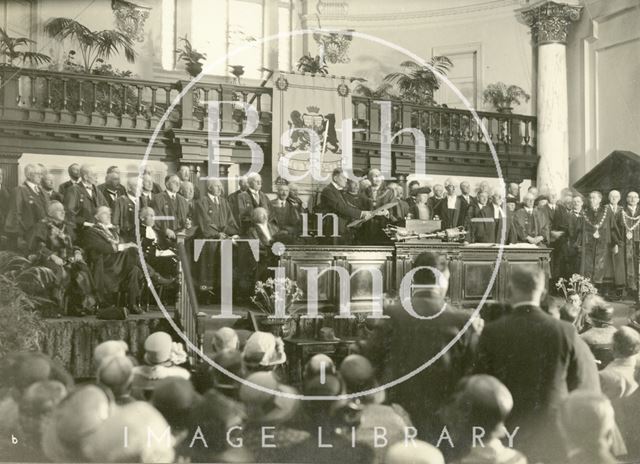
pixel 213 198
pixel 172 195
pixel 253 192
pixel 132 198
pixel 525 303
pixel 87 186
pixel 32 185
pixel 336 185
pixel 528 210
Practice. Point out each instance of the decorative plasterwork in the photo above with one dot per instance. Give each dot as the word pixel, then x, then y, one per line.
pixel 550 21
pixel 130 18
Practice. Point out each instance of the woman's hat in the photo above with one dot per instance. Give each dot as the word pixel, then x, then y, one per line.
pixel 157 348
pixel 264 349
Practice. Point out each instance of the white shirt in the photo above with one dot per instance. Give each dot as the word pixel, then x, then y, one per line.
pixel 150 233
pixel 467 198
pixel 497 212
pixel 214 199
pixel 451 201
pixel 33 186
pixel 172 195
pixel 633 209
pixel 423 211
pixel 281 203
pixel 529 210
pixel 336 185
pixel 132 198
pixel 265 230
pixel 88 188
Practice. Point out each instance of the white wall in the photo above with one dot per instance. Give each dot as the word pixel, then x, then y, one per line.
pixel 603 59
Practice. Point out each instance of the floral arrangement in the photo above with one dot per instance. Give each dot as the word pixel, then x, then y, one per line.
pixel 265 295
pixel 577 284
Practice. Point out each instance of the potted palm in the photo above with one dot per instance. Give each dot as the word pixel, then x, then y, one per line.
pixel 503 98
pixel 311 65
pixel 95 46
pixel 417 83
pixel 10 47
pixel 192 58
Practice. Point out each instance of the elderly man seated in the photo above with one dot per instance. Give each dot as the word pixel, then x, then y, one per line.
pixel 114 265
pixel 157 254
pixel 53 244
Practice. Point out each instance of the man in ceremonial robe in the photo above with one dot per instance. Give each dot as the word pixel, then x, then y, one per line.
pixel 112 188
pixel 501 215
pixel 614 263
pixel 563 256
pixel 252 198
pixel 170 204
pixel 376 195
pixel 114 266
pixel 215 221
pixel 452 211
pixel 399 213
pixel 124 212
pixel 332 201
pixel 531 224
pixel 284 212
pixel 29 205
pixel 629 226
pixel 598 236
pixel 82 200
pixel 52 242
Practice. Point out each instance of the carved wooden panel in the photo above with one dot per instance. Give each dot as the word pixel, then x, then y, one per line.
pixel 475 279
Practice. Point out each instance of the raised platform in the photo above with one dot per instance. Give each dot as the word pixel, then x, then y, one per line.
pixel 71 340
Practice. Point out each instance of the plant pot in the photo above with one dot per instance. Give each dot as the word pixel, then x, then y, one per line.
pixel 505 110
pixel 278 327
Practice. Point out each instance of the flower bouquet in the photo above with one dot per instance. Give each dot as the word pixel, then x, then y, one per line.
pixel 266 297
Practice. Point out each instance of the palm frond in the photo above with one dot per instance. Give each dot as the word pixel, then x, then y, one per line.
pixel 67 27
pixel 109 42
pixel 34 57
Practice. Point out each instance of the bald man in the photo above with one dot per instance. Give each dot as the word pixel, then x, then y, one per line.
pixel 83 199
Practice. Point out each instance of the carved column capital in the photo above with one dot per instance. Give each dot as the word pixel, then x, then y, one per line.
pixel 550 21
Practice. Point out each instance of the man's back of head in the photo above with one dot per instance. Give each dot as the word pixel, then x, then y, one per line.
pixel 526 285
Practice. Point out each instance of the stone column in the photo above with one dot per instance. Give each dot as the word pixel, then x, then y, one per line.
pixel 549 22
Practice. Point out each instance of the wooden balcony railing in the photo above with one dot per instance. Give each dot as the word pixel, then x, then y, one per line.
pixel 446 129
pixel 47 101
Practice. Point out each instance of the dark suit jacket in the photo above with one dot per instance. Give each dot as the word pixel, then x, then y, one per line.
pixel 179 209
pixel 212 219
pixel 403 343
pixel 52 196
pixel 120 190
pixel 286 217
pixel 62 189
pixel 5 207
pixel 27 210
pixel 332 201
pixel 540 360
pixel 246 205
pixel 80 207
pixel 123 218
pixel 459 216
pixel 540 225
pixel 482 224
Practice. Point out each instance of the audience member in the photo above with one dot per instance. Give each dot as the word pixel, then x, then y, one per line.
pixel 599 336
pixel 588 424
pixel 528 347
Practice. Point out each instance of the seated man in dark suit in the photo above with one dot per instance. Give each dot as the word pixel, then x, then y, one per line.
pixel 52 243
pixel 540 360
pixel 114 266
pixel 112 188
